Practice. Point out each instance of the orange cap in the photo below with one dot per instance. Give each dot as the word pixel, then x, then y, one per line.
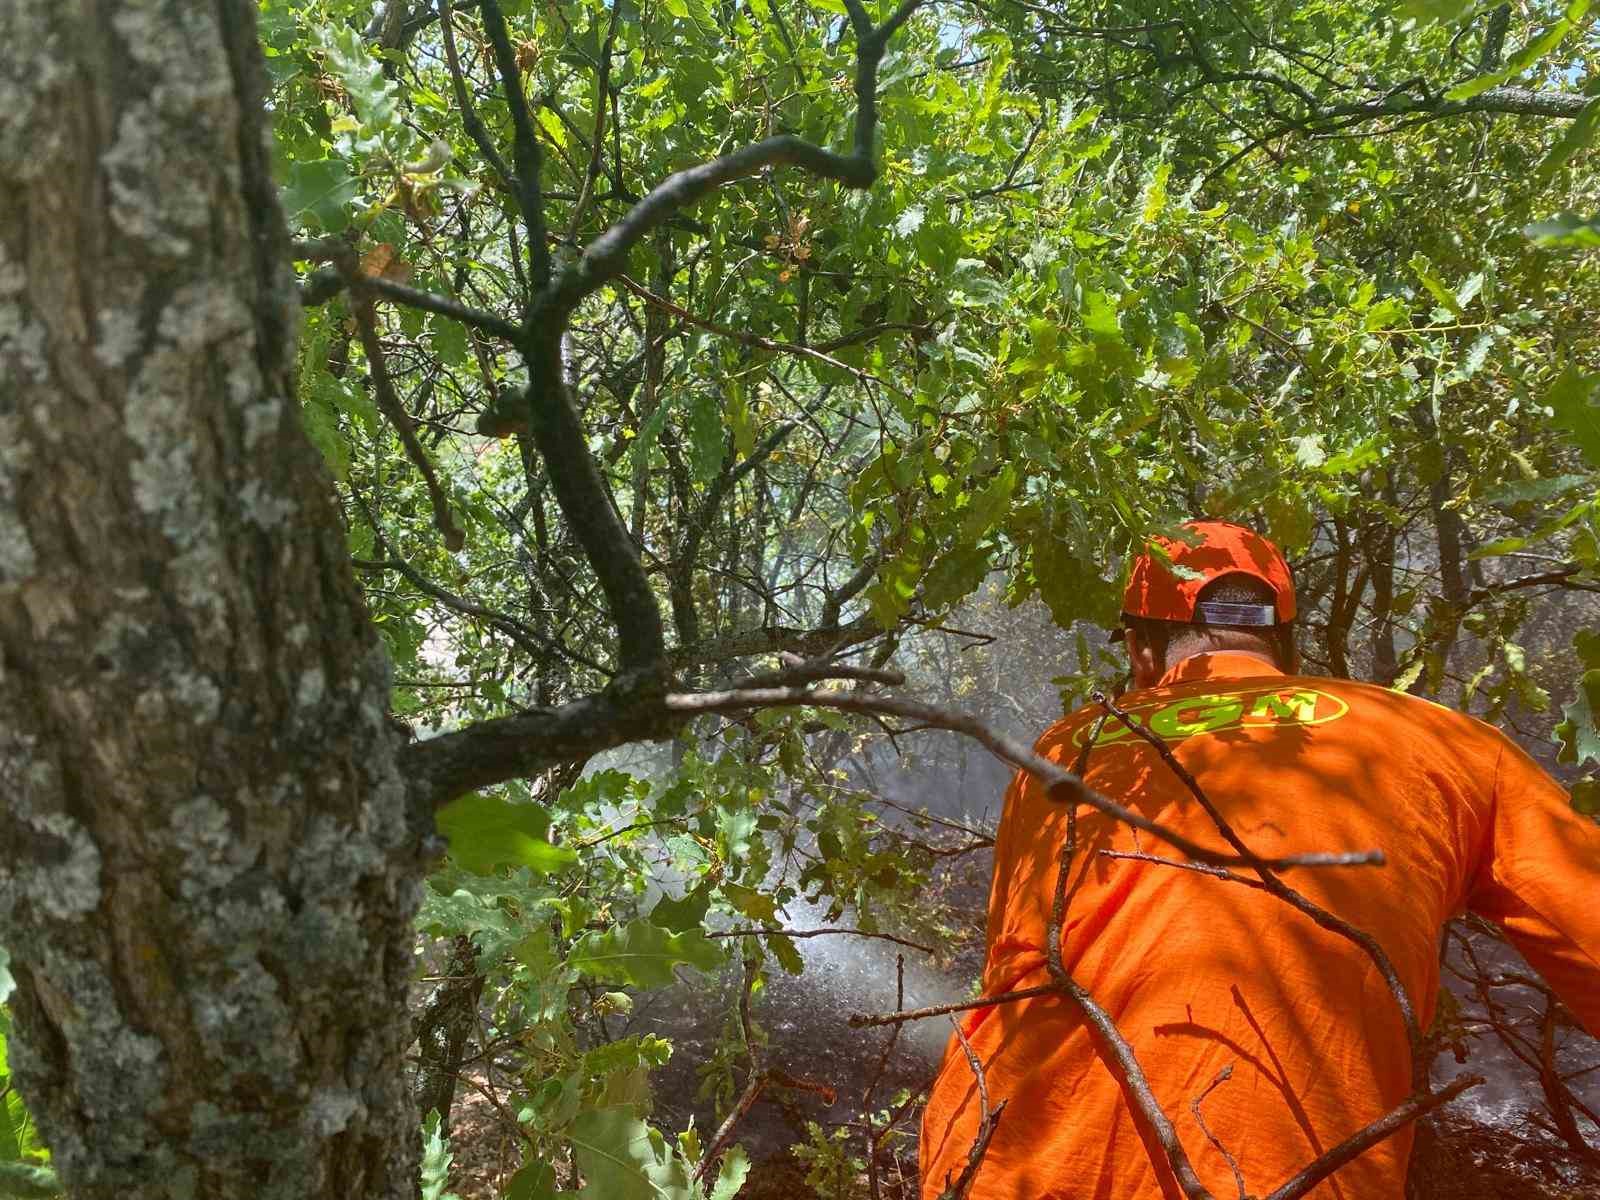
pixel 1154 591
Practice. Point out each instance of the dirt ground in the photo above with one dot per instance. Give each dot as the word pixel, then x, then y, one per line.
pixel 1454 1160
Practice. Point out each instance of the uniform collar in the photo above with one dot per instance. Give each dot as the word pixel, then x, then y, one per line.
pixel 1219 664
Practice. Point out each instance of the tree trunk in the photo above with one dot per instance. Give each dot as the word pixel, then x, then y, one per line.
pixel 444 1030
pixel 208 859
pixel 1379 549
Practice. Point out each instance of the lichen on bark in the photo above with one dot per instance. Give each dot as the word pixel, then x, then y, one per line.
pixel 209 860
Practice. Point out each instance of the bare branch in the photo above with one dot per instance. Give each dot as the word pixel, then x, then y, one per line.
pixel 323 285
pixel 1063 785
pixel 1130 1074
pixel 1194 1106
pixel 872 1135
pixel 529 640
pixel 520 746
pixel 847 591
pixel 586 504
pixel 1359 1143
pixel 389 402
pixel 811 933
pixel 1494 39
pixel 526 151
pixel 753 1085
pixel 602 96
pixel 1201 868
pixel 476 129
pixel 988 1122
pixel 443 306
pixel 774 639
pixel 1558 577
pixel 606 256
pixel 797 670
pixel 682 571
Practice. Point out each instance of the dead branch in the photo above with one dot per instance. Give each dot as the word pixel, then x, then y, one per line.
pixel 1194 1106
pixel 811 933
pixel 753 1085
pixel 867 1020
pixel 877 1077
pixel 988 1122
pixel 1359 1143
pixel 1062 784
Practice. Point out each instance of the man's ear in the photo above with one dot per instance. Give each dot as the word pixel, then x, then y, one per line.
pixel 1142 658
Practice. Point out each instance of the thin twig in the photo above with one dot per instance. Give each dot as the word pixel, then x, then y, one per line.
pixel 811 933
pixel 989 1121
pixel 1321 916
pixel 797 670
pixel 877 1077
pixel 602 96
pixel 383 388
pixel 1063 786
pixel 442 306
pixel 1134 1082
pixel 469 111
pixel 1194 1107
pixel 1202 868
pixel 868 1020
pixel 1362 1141
pixel 740 335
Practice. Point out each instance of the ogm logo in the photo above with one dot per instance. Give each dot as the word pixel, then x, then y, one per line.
pixel 1258 708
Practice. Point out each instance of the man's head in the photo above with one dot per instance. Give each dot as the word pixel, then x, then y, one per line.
pixel 1230 591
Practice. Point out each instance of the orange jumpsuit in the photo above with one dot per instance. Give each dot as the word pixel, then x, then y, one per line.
pixel 1201 974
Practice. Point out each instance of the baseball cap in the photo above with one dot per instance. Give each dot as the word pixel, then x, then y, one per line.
pixel 1155 591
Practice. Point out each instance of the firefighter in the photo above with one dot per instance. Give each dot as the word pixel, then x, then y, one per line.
pixel 1266 1038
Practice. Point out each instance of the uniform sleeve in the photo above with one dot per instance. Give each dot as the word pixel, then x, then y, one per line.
pixel 1539 880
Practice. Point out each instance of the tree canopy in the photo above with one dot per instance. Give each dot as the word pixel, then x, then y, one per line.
pixel 665 349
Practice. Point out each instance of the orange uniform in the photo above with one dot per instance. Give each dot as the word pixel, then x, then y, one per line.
pixel 1201 974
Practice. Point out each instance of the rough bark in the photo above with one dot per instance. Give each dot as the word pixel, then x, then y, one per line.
pixel 208 858
pixel 447 1021
pixel 1380 548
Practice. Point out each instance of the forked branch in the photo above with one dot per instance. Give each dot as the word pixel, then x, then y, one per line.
pixel 605 257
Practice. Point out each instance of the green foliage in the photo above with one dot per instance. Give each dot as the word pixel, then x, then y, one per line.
pixel 26 1181
pixel 1565 229
pixel 487 831
pixel 642 954
pixel 1578 733
pixel 436 1159
pixel 1084 300
pixel 623 1157
pixel 24 1162
pixel 831 1169
pixel 1571 400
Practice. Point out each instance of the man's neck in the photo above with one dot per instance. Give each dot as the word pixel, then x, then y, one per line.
pixel 1197 665
pixel 1255 654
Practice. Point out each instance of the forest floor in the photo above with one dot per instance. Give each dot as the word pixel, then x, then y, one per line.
pixel 1455 1159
